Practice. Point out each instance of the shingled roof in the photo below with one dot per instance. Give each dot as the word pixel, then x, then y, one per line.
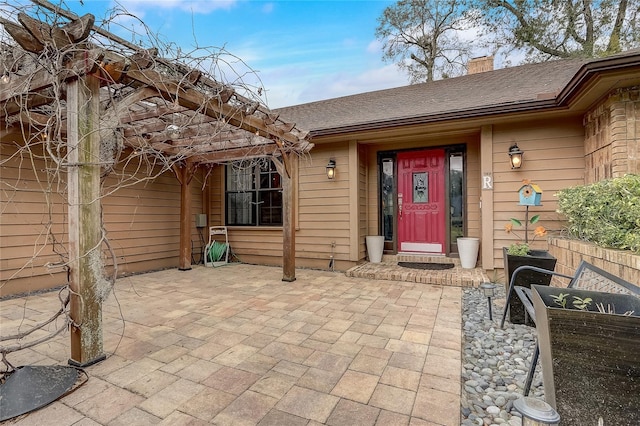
pixel 519 88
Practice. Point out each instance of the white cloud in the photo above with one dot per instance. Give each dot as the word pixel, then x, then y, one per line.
pixel 195 6
pixel 375 47
pixel 292 86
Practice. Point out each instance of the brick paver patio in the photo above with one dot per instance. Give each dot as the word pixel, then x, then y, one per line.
pixel 237 346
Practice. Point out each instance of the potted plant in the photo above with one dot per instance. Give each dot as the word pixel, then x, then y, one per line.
pixel 520 253
pixel 590 354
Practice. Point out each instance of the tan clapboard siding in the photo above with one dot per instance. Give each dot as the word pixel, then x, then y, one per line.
pixel 322 201
pixel 32 280
pixel 29 207
pixel 473 190
pixel 152 244
pixel 324 206
pixel 25 220
pixel 29 230
pixel 327 219
pixel 553 159
pixel 363 191
pixel 216 197
pixel 142 223
pixel 373 227
pixel 17 266
pixel 245 241
pixel 32 240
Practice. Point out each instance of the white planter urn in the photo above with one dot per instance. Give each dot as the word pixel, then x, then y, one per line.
pixel 375 247
pixel 468 250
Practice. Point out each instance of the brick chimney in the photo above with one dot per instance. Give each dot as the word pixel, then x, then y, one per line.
pixel 481 64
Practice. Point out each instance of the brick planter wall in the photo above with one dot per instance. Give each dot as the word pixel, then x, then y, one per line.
pixel 569 253
pixel 612 131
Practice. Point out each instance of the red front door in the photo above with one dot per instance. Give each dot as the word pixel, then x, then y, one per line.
pixel 421 201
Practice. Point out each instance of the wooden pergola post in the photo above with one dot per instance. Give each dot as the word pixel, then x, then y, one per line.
pixel 288 231
pixel 85 272
pixel 288 217
pixel 184 173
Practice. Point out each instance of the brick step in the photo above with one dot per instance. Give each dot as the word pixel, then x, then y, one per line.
pixel 389 270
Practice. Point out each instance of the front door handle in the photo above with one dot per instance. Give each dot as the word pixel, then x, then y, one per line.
pixel 400 204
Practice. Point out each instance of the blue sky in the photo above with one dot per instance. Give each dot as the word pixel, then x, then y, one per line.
pixel 302 50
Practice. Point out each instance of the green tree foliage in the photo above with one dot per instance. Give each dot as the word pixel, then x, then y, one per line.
pixel 549 29
pixel 423 37
pixel 606 213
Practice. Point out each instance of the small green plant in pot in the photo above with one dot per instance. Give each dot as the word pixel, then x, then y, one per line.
pixel 522 248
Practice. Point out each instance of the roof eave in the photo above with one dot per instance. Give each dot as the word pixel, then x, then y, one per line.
pixel 528 106
pixel 591 69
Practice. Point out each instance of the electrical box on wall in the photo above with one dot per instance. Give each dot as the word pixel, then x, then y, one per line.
pixel 201 220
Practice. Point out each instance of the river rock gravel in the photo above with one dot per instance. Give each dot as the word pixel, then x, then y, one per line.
pixel 495 362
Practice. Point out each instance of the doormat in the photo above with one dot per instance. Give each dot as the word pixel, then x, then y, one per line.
pixel 427 266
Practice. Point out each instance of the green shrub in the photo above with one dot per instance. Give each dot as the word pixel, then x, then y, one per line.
pixel 606 213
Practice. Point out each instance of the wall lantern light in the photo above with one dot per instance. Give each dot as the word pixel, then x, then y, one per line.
pixel 331 169
pixel 515 156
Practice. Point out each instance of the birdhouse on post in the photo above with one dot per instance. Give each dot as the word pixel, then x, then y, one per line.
pixel 530 195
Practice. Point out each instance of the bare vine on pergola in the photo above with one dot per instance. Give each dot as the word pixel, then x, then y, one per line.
pixel 161 108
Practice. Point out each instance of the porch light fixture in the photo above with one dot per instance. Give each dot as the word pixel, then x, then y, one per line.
pixel 515 156
pixel 488 290
pixel 331 169
pixel 173 131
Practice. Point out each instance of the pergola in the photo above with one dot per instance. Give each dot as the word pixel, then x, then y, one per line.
pixel 109 101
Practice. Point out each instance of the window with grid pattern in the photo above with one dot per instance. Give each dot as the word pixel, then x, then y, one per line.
pixel 253 194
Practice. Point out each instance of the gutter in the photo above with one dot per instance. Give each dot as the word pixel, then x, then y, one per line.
pixel 436 118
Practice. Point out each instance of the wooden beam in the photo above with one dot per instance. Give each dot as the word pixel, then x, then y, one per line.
pixel 26 102
pixel 285 157
pixel 59 37
pixel 43 32
pixel 79 29
pixel 145 113
pixel 111 117
pixel 23 85
pixel 236 154
pixel 21 36
pixel 85 272
pixel 33 119
pixel 32 35
pixel 213 107
pixel 82 63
